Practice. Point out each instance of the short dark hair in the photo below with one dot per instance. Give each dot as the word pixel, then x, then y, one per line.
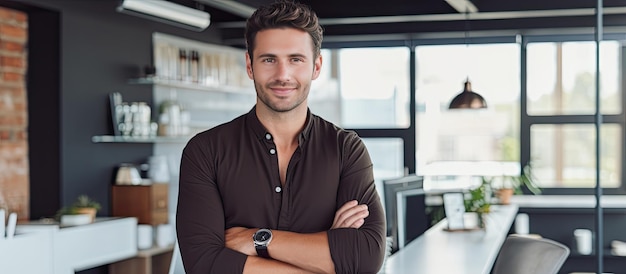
pixel 284 14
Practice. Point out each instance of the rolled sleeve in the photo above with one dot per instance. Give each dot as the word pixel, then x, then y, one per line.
pixel 358 250
pixel 200 216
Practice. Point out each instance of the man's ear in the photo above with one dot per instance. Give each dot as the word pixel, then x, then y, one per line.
pixel 249 66
pixel 317 67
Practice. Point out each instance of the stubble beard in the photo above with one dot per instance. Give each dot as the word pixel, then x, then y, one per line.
pixel 263 93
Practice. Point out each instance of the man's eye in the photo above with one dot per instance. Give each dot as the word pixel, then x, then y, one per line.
pixel 296 60
pixel 268 60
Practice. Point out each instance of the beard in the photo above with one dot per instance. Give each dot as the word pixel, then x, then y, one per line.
pixel 281 104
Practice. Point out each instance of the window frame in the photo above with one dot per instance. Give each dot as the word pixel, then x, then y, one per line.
pixel 527 121
pixel 408 135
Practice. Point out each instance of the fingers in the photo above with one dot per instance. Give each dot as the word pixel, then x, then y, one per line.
pixel 339 218
pixel 358 219
pixel 350 215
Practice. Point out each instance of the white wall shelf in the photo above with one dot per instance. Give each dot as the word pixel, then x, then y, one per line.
pixel 176 84
pixel 147 140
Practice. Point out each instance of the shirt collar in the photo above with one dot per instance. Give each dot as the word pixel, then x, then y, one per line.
pixel 260 132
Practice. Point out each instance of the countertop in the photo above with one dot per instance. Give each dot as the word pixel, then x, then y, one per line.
pixel 464 252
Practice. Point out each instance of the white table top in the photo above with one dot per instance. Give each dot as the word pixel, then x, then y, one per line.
pixel 439 251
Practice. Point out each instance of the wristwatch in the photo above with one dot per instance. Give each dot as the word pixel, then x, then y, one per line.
pixel 262 239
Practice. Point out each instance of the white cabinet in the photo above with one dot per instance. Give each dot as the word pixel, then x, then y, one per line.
pixel 27 253
pixel 47 248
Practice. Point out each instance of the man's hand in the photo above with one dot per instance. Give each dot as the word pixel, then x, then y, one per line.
pixel 350 215
pixel 240 239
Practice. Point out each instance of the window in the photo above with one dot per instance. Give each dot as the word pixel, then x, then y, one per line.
pixel 388 159
pixel 367 87
pixel 447 137
pixel 561 107
pixel 371 93
pixel 564 155
pixel 561 78
pixel 367 90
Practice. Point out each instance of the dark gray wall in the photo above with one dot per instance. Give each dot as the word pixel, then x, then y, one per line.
pixel 79 52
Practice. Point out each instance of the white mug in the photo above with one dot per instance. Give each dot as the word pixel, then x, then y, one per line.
pixel 144 236
pixel 522 224
pixel 159 170
pixel 584 241
pixel 165 235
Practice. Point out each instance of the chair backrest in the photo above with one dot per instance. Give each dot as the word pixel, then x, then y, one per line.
pixel 526 255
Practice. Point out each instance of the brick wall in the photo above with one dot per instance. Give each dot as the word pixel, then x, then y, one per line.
pixel 14 170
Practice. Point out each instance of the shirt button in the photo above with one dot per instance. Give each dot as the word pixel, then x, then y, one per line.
pixel 278 189
pixel 268 136
pixel 272 151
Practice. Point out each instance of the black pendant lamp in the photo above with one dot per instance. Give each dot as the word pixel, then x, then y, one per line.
pixel 468 99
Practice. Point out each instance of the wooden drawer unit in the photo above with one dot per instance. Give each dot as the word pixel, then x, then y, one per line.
pixel 155 260
pixel 148 203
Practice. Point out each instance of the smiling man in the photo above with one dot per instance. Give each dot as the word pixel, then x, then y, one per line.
pixel 279 189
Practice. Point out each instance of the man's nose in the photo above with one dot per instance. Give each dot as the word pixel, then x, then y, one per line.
pixel 283 71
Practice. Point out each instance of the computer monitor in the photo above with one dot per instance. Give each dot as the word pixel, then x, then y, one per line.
pixel 405 209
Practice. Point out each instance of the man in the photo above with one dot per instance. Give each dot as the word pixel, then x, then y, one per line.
pixel 279 190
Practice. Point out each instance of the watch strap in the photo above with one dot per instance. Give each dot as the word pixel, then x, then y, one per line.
pixel 261 250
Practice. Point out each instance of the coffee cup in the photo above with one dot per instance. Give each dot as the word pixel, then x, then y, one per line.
pixel 583 239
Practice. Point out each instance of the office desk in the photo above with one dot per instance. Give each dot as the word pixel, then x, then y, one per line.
pixel 468 252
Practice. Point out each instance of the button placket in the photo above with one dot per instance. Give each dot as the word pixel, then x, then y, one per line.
pixel 268 138
pixel 272 151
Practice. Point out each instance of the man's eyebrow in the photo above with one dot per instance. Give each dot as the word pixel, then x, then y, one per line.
pixel 267 55
pixel 290 55
pixel 297 55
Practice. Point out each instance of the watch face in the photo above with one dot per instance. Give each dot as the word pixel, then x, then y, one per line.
pixel 262 236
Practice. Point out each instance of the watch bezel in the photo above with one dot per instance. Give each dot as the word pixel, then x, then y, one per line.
pixel 262 242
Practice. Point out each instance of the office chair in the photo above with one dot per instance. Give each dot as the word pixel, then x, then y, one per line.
pixel 525 255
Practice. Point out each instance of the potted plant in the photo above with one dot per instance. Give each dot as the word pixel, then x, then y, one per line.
pixel 83 205
pixel 513 185
pixel 480 200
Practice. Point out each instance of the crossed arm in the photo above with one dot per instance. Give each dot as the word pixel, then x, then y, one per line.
pixel 295 252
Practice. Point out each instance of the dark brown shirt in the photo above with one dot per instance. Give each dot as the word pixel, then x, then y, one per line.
pixel 229 177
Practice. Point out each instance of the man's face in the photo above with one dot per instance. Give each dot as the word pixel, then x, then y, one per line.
pixel 282 68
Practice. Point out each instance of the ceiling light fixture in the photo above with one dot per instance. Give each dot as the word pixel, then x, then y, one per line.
pixel 462 6
pixel 167 12
pixel 467 99
pixel 234 7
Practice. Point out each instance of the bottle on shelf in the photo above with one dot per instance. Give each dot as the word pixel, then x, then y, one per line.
pixel 183 65
pixel 194 66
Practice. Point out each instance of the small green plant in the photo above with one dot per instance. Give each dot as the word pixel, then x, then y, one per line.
pixel 480 197
pixel 84 201
pixel 480 200
pixel 526 179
